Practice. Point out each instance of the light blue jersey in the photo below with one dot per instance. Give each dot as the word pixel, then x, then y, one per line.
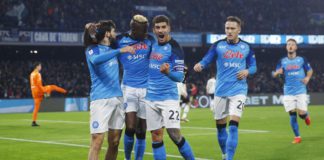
pixel 160 86
pixel 104 72
pixel 135 66
pixel 294 71
pixel 230 60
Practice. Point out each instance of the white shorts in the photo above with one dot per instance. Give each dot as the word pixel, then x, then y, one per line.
pixel 134 100
pixel 162 114
pixel 224 106
pixel 106 114
pixel 295 102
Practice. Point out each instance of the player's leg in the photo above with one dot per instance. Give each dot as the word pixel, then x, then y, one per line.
pixel 129 134
pixel 171 111
pixel 95 145
pixel 37 103
pixel 289 103
pixel 131 107
pixel 302 108
pixel 113 143
pixel 220 115
pixel 51 88
pixel 154 124
pixel 115 125
pixel 140 144
pixel 186 110
pixel 98 126
pixel 236 105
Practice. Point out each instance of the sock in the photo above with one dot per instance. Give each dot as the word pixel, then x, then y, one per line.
pixel 222 136
pixel 140 146
pixel 185 150
pixel 294 124
pixel 159 152
pixel 232 140
pixel 304 115
pixel 128 144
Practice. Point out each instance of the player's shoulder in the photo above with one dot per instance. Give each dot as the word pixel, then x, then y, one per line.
pixel 245 43
pixel 219 42
pixel 122 35
pixel 303 58
pixel 150 38
pixel 92 49
pixel 174 43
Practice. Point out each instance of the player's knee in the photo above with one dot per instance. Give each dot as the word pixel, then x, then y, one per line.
pixel 114 142
pixel 292 113
pixel 130 131
pixel 140 133
pixel 303 116
pixel 175 135
pixel 97 140
pixel 157 135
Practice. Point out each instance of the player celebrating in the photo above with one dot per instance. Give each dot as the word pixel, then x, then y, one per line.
pixel 295 99
pixel 39 91
pixel 135 77
pixel 165 69
pixel 235 61
pixel 106 111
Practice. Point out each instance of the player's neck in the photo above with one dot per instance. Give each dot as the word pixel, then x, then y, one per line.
pixel 105 42
pixel 292 55
pixel 234 41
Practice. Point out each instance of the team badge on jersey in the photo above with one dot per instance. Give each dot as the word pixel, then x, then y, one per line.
pixel 95 124
pixel 90 52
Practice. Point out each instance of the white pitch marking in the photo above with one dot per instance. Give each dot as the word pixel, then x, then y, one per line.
pixel 81 145
pixel 199 128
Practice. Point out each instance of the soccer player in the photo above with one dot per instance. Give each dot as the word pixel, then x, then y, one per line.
pixel 106 109
pixel 235 62
pixel 39 91
pixel 293 68
pixel 184 97
pixel 210 88
pixel 165 69
pixel 135 70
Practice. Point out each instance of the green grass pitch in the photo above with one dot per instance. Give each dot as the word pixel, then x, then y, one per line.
pixel 264 134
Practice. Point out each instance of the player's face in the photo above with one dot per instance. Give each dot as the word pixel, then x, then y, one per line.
pixel 112 35
pixel 291 47
pixel 39 67
pixel 232 30
pixel 162 31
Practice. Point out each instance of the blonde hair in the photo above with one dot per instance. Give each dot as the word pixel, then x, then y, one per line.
pixel 140 18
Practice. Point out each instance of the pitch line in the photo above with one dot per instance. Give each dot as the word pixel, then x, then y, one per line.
pixel 198 128
pixel 81 146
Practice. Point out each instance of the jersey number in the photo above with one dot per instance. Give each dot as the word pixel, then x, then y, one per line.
pixel 172 115
pixel 241 105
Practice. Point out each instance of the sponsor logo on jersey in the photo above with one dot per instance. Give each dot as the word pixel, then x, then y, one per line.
pixel 292 67
pixel 179 61
pixel 232 64
pixel 156 56
pixel 140 46
pixel 154 66
pixel 229 54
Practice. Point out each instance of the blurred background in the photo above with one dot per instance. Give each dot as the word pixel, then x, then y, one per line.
pixel 50 31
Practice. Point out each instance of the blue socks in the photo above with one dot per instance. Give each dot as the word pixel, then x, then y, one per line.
pixel 159 152
pixel 232 140
pixel 140 146
pixel 185 150
pixel 294 124
pixel 222 136
pixel 128 145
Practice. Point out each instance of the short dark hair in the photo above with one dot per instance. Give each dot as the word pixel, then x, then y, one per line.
pixel 234 19
pixel 161 18
pixel 103 27
pixel 35 64
pixel 291 39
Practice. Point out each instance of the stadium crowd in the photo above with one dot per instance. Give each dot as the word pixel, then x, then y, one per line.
pixel 207 16
pixel 74 76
